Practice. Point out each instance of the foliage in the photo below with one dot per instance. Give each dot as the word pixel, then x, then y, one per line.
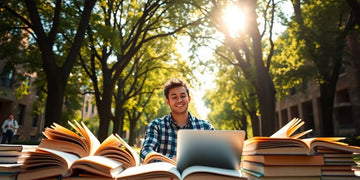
pixel 289 67
pixel 231 100
pixel 54 31
pixel 248 52
pixel 121 36
pixel 321 28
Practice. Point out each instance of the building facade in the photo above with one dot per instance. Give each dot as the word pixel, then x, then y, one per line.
pixel 306 105
pixel 29 124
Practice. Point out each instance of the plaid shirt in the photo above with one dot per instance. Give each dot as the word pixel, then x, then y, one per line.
pixel 161 134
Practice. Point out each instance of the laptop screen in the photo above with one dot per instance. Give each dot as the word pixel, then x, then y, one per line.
pixel 215 148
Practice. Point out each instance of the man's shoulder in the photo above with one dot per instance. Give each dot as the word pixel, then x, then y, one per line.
pixel 203 123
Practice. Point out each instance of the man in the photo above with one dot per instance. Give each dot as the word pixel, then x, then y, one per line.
pixel 9 128
pixel 161 133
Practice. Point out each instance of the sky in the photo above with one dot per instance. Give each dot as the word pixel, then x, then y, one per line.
pixel 206 78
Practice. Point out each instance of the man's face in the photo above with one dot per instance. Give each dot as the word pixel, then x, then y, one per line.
pixel 178 100
pixel 11 116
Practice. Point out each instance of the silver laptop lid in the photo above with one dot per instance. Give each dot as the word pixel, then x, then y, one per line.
pixel 215 148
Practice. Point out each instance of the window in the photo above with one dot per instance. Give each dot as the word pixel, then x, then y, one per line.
pixel 20 118
pixel 92 108
pixel 35 120
pixel 6 80
pixel 86 106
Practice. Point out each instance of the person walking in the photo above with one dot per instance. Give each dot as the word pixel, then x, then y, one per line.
pixel 9 128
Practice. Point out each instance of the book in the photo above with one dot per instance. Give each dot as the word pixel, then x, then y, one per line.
pixel 284 142
pixel 256 176
pixel 65 153
pixel 47 163
pixel 282 170
pixel 79 155
pixel 12 159
pixel 280 156
pixel 337 173
pixel 155 157
pixel 9 171
pixel 166 170
pixel 340 177
pixel 84 143
pixel 286 159
pixel 267 145
pixel 16 147
pixel 290 128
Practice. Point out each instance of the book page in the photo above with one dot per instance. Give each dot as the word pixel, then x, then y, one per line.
pixel 331 143
pixel 98 165
pixel 58 133
pixel 131 150
pixel 288 130
pixel 91 140
pixel 68 157
pixel 153 156
pixel 43 158
pixel 64 146
pixel 157 169
pixel 207 171
pixel 113 148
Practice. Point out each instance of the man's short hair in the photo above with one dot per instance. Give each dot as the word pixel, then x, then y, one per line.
pixel 173 83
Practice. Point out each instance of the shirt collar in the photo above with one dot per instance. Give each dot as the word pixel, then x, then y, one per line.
pixel 189 123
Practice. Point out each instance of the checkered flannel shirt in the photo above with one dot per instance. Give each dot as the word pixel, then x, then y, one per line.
pixel 161 134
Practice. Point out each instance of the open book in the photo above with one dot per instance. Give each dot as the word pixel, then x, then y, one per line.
pixel 64 153
pixel 284 142
pixel 67 154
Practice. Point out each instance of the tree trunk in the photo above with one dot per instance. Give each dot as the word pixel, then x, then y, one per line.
pixel 355 72
pixel 266 96
pixel 54 102
pixel 264 85
pixel 104 116
pixel 119 111
pixel 255 122
pixel 327 93
pixel 57 76
pixel 132 132
pixel 119 121
pixel 104 109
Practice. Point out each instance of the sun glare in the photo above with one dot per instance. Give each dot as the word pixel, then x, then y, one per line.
pixel 234 20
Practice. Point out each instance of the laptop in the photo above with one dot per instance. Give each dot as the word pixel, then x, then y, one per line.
pixel 215 148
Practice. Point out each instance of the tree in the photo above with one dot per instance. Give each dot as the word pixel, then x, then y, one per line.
pixel 120 30
pixel 323 28
pixel 247 47
pixel 142 80
pixel 233 102
pixel 46 21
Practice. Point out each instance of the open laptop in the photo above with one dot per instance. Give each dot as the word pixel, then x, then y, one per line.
pixel 215 148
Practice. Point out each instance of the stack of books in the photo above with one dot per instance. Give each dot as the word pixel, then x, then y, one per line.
pixel 12 157
pixel 339 164
pixel 286 156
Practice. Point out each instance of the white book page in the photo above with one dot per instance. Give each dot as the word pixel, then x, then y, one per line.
pixel 159 167
pixel 213 170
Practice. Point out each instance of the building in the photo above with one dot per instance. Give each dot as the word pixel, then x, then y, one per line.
pixel 89 109
pixel 30 124
pixel 305 105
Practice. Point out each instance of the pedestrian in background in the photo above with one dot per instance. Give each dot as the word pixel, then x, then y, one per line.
pixel 9 128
